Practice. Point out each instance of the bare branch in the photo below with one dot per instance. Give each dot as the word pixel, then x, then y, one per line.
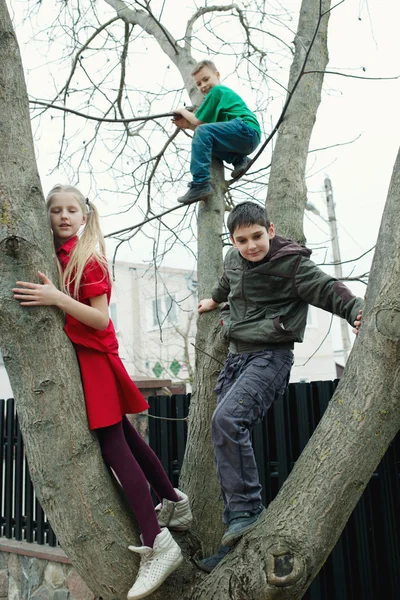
pixel 123 73
pixel 103 119
pixel 115 233
pixel 288 99
pixel 200 12
pixel 336 145
pixel 78 54
pixel 343 262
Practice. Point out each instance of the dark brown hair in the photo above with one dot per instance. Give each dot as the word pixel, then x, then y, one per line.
pixel 246 214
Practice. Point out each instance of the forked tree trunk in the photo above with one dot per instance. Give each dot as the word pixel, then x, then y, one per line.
pixel 303 523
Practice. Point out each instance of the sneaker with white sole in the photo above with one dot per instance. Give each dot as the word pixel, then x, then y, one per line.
pixel 175 515
pixel 156 564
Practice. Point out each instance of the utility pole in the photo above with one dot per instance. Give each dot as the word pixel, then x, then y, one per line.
pixel 336 259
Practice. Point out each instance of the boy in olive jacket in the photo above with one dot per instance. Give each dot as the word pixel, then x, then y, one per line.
pixel 268 282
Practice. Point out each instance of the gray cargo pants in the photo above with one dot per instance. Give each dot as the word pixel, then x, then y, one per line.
pixel 246 387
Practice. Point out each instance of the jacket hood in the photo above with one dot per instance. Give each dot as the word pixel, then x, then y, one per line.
pixel 284 247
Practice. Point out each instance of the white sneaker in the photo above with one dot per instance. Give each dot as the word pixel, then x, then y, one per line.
pixel 155 564
pixel 175 515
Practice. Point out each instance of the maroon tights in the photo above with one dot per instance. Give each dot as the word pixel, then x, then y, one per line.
pixel 135 464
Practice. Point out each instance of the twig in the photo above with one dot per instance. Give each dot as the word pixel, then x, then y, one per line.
pixel 206 353
pixel 353 76
pixel 343 262
pixel 114 233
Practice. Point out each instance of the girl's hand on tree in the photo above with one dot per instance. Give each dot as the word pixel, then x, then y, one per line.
pixel 357 322
pixel 206 305
pixel 37 294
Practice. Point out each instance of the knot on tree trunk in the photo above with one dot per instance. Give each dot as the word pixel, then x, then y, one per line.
pixel 11 245
pixel 284 567
pixel 388 323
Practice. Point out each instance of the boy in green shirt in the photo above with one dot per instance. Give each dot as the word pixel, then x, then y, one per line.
pixel 223 127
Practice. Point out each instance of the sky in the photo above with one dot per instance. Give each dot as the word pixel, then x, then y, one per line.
pixel 362 42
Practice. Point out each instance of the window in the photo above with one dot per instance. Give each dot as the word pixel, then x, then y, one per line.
pixel 164 311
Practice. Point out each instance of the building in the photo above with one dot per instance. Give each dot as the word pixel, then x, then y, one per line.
pixel 154 314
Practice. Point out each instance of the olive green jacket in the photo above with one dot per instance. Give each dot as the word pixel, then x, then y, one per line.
pixel 268 301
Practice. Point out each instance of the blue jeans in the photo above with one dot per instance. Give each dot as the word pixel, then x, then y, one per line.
pixel 247 386
pixel 228 142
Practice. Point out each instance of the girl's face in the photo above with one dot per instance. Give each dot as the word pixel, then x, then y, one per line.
pixel 66 217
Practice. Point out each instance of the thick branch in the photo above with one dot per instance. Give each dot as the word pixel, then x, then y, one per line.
pixel 102 119
pixel 287 196
pixel 302 525
pixel 147 21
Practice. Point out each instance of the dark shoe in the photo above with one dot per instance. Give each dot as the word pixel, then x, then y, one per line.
pixel 240 522
pixel 209 563
pixel 196 191
pixel 240 167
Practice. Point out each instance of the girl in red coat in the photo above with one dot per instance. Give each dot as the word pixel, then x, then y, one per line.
pixel 110 394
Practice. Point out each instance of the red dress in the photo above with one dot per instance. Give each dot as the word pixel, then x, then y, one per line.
pixel 109 391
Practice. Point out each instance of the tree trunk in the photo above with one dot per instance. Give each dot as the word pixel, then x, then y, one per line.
pixel 302 525
pixel 85 509
pixel 198 472
pixel 198 477
pixel 287 192
pixel 80 498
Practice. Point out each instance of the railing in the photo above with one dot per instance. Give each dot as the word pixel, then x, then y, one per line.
pixel 21 516
pixel 365 561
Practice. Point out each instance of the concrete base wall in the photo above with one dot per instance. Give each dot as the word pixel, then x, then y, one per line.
pixel 34 572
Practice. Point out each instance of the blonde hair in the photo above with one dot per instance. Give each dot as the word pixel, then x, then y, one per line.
pixel 204 63
pixel 90 245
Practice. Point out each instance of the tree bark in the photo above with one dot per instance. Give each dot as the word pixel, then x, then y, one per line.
pixel 287 192
pixel 85 509
pixel 198 472
pixel 302 525
pixel 198 477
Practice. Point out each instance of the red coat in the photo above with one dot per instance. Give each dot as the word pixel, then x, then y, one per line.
pixel 109 391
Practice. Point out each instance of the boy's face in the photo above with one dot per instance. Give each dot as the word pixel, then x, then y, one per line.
pixel 253 241
pixel 206 79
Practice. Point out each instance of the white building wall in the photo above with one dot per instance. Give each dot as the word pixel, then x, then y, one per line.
pixel 314 358
pixel 147 340
pixel 5 386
